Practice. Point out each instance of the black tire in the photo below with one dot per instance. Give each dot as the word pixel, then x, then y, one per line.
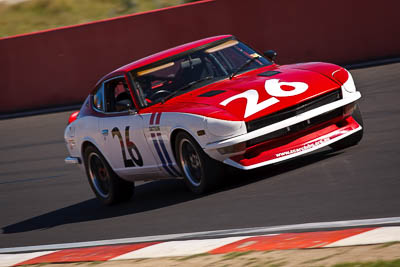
pixel 200 172
pixel 354 138
pixel 108 187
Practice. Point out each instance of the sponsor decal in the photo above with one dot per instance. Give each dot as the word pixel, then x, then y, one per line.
pixel 274 88
pixel 303 148
pixel 154 128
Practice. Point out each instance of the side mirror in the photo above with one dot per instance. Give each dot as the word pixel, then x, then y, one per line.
pixel 271 55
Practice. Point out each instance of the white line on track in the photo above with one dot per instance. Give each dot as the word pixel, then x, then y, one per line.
pixel 209 234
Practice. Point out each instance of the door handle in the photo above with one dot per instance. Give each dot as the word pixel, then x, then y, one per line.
pixel 104 132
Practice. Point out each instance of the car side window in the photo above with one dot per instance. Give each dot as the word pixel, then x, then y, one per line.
pixel 117 96
pixel 98 99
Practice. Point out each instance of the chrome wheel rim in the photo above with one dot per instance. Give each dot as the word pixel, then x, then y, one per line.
pixel 190 162
pixel 99 175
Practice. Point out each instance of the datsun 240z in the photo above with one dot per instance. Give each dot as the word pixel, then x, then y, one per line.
pixel 197 109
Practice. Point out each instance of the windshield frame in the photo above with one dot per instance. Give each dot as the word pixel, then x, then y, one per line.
pixel 139 94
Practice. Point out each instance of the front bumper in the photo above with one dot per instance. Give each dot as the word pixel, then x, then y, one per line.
pixel 282 124
pixel 263 154
pixel 235 147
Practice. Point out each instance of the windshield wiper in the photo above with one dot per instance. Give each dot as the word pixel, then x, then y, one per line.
pixel 174 93
pixel 242 67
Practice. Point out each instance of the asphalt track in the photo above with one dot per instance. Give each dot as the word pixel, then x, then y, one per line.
pixel 43 201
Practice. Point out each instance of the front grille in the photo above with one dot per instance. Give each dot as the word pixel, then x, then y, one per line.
pixel 294 110
pixel 295 128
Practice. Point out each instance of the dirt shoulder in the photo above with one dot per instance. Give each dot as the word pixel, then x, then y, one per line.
pixel 298 257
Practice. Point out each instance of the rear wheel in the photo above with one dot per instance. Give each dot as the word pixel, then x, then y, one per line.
pixel 201 173
pixel 108 187
pixel 354 138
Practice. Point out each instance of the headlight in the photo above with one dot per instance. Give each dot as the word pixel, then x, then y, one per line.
pixel 223 128
pixel 345 78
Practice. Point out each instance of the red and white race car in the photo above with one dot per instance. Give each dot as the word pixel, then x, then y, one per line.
pixel 195 109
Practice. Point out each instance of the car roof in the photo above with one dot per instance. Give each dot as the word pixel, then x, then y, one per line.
pixel 161 55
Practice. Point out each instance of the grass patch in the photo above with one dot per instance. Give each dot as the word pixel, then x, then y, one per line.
pixel 94 262
pixel 269 262
pixel 323 258
pixel 319 259
pixel 278 264
pixel 139 260
pixel 42 264
pixel 389 244
pixel 394 263
pixel 36 15
pixel 193 256
pixel 234 255
pixel 252 261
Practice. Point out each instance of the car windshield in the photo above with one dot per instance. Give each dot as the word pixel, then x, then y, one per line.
pixel 181 73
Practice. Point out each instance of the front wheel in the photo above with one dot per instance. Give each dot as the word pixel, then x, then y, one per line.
pixel 200 172
pixel 108 187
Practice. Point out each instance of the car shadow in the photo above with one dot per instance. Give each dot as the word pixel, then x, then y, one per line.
pixel 154 195
pixel 252 176
pixel 148 196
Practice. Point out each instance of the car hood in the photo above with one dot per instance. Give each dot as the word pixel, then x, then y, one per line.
pixel 254 94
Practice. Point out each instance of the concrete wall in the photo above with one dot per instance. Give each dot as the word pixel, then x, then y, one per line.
pixel 59 67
